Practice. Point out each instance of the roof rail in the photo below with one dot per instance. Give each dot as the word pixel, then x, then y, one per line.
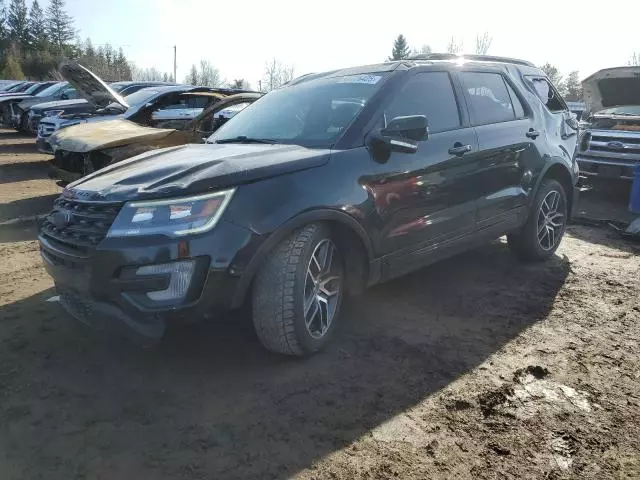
pixel 479 58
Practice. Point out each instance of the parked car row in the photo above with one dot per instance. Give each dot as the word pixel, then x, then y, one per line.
pixel 332 183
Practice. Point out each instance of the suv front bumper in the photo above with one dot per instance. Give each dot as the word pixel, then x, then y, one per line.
pixel 104 290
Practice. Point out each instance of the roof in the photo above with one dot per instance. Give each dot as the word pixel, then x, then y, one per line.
pixel 413 61
pixel 475 58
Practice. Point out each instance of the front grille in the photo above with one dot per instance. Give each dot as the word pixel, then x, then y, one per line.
pixel 78 227
pixel 46 129
pixel 614 143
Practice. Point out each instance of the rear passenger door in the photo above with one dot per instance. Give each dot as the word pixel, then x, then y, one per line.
pixel 507 137
pixel 424 199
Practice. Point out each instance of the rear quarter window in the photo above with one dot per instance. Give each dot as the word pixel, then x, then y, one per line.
pixel 547 93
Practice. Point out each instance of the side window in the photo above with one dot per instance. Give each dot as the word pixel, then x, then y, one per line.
pixel 517 104
pixel 429 94
pixel 70 93
pixel 490 100
pixel 197 102
pixel 547 94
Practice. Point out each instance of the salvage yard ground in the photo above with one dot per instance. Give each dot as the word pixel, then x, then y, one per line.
pixel 478 367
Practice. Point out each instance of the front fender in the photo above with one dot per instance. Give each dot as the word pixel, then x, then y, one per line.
pixel 248 273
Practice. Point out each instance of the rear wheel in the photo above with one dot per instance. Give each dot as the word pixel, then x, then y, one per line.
pixel 298 293
pixel 541 235
pixel 23 127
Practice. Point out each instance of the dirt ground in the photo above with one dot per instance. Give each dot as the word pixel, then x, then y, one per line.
pixel 478 367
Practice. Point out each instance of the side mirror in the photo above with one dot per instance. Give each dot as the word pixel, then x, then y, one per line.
pixel 413 127
pixel 402 134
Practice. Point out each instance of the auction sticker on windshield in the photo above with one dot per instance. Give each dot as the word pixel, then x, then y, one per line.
pixel 368 79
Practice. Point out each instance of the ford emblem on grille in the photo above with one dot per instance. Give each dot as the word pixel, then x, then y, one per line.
pixel 61 218
pixel 616 145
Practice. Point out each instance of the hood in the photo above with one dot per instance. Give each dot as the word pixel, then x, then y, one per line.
pixel 612 87
pixel 90 86
pixel 59 104
pixel 190 169
pixel 89 136
pixel 14 97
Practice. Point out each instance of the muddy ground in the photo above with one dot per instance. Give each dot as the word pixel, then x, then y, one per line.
pixel 477 367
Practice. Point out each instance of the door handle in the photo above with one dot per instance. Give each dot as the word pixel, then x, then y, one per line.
pixel 459 149
pixel 533 134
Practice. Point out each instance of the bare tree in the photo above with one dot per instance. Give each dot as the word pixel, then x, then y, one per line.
pixel 276 74
pixel 423 50
pixel 634 61
pixel 208 74
pixel 148 74
pixel 483 43
pixel 240 83
pixel 454 45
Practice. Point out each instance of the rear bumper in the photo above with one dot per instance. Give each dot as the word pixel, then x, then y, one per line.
pixel 605 167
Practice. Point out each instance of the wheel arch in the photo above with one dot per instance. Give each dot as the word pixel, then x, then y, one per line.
pixel 560 172
pixel 350 236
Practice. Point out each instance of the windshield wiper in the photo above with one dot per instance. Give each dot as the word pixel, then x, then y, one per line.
pixel 245 139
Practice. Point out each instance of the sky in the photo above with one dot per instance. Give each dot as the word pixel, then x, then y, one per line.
pixel 238 38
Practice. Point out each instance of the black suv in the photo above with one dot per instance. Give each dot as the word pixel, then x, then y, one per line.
pixel 328 185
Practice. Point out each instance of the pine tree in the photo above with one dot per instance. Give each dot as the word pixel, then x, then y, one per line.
pixel 89 51
pixel 3 24
pixel 37 27
pixel 400 48
pixel 59 25
pixel 18 23
pixel 192 78
pixel 12 69
pixel 573 87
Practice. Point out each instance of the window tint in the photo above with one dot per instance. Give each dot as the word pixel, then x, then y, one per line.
pixel 547 93
pixel 490 101
pixel 429 94
pixel 517 105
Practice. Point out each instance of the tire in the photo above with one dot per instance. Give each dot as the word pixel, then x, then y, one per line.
pixel 541 235
pixel 291 275
pixel 23 127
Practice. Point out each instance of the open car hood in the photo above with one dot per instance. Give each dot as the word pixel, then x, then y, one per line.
pixel 87 137
pixel 90 86
pixel 612 87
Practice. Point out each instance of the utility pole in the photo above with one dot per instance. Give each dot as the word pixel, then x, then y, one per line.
pixel 175 54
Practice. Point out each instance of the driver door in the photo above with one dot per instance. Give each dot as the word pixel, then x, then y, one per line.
pixel 425 200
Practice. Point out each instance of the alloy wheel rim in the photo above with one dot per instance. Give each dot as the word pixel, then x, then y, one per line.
pixel 322 288
pixel 551 220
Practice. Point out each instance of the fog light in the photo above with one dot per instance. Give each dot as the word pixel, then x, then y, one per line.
pixel 179 280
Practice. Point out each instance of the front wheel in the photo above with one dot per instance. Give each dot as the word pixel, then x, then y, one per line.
pixel 541 235
pixel 298 293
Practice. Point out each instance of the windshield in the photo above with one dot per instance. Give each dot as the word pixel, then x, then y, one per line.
pixel 33 88
pixel 624 110
pixel 140 96
pixel 313 113
pixel 50 90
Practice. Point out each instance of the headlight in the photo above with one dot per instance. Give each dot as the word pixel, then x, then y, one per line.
pixel 174 218
pixel 53 113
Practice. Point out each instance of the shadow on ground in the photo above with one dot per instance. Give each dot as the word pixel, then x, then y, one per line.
pixel 21 171
pixel 18 148
pixel 210 403
pixel 27 207
pixel 605 201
